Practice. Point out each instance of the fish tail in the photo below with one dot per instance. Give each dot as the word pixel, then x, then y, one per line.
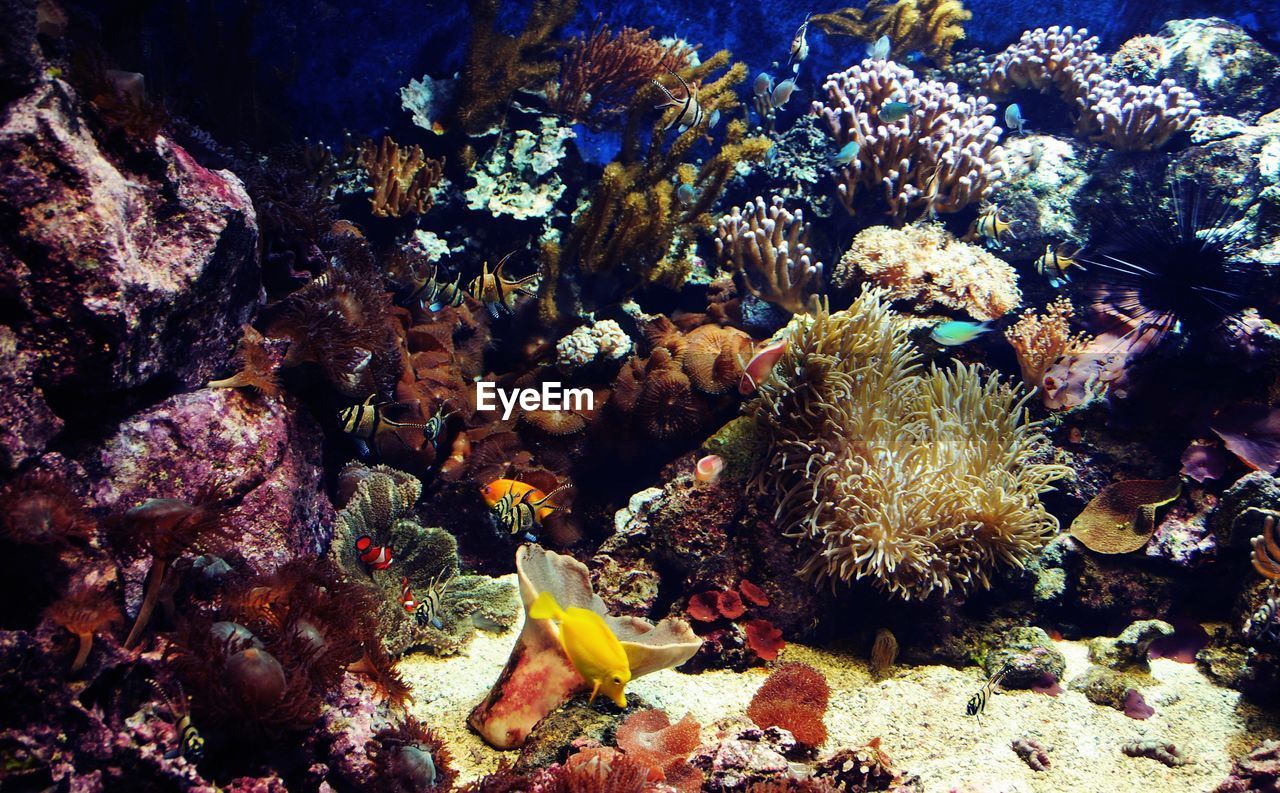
pixel 545 607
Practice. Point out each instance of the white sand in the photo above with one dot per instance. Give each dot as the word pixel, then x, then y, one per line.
pixel 919 714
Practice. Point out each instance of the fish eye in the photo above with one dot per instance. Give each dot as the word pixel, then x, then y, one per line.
pixel 617 680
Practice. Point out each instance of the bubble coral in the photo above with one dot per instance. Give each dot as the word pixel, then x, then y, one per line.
pixel 84 612
pixel 923 482
pixel 410 758
pixel 794 697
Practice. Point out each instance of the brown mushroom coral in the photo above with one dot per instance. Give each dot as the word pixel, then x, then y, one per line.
pixel 1121 518
pixel 715 357
pixel 658 397
pixel 539 677
pixel 38 508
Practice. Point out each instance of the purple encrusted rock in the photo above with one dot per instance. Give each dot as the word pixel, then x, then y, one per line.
pixel 754 755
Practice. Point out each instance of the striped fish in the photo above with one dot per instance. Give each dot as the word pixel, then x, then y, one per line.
pixel 1054 264
pixel 434 428
pixel 991 226
pixel 367 420
pixel 433 294
pixel 190 741
pixel 407 599
pixel 690 112
pixel 498 294
pixel 520 507
pixel 377 557
pixel 429 610
pixel 978 702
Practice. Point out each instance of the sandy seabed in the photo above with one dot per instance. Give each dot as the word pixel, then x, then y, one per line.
pixel 919 716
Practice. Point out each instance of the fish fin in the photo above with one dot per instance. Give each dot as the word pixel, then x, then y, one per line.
pixel 545 607
pixel 595 689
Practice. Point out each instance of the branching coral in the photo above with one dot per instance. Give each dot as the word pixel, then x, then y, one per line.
pixel 498 64
pixel 923 264
pixel 795 698
pixel 602 71
pixel 1127 117
pixel 923 482
pixel 1041 340
pixel 633 224
pixel 402 180
pixel 929 26
pixel 774 242
pixel 940 157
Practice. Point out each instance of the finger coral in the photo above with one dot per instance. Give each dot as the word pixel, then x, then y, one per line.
pixel 940 157
pixel 930 26
pixel 602 71
pixel 922 481
pixel 926 267
pixel 401 180
pixel 795 698
pixel 774 243
pixel 1127 117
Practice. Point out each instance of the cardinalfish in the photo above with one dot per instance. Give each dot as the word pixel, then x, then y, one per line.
pixel 433 430
pixel 799 45
pixel 978 702
pixel 990 226
pixel 497 293
pixel 520 506
pixel 433 294
pixel 1054 264
pixel 375 557
pixel 591 645
pixel 689 111
pixel 190 741
pixel 429 609
pixel 366 421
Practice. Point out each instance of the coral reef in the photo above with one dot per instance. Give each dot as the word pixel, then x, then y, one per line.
pixel 941 156
pixel 929 270
pixel 517 703
pixel 1032 752
pixel 1258 770
pixel 930 26
pixel 913 529
pixel 1165 753
pixel 774 241
pixel 401 180
pixel 1043 340
pixel 522 181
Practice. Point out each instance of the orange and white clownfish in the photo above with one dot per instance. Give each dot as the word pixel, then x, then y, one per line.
pixel 377 557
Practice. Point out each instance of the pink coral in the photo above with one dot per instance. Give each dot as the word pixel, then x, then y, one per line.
pixel 795 698
pixel 764 639
pixel 649 737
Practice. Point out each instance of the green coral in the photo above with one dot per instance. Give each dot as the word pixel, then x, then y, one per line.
pixel 742 444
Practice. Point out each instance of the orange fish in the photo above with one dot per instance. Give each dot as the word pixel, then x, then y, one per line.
pixel 407 599
pixel 378 557
pixel 519 505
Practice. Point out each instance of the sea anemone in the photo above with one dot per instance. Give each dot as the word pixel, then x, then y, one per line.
pixel 410 758
pixel 38 508
pixel 84 612
pixel 795 698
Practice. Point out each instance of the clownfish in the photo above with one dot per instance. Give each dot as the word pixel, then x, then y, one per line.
pixel 497 293
pixel 377 557
pixel 407 599
pixel 591 645
pixel 520 506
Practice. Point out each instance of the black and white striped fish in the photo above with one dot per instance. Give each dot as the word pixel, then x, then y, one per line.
pixel 497 293
pixel 431 605
pixel 690 111
pixel 978 702
pixel 433 294
pixel 367 420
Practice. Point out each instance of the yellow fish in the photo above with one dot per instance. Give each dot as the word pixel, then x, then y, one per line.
pixel 591 646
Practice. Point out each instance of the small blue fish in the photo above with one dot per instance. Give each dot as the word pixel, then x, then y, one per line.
pixel 847 154
pixel 895 111
pixel 782 92
pixel 957 332
pixel 880 50
pixel 686 195
pixel 713 119
pixel 1013 118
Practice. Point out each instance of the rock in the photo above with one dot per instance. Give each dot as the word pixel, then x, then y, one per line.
pixel 754 755
pixel 1031 658
pixel 1228 70
pixel 1239 514
pixel 1128 651
pixel 350 719
pixel 554 738
pixel 1258 770
pixel 1046 176
pixel 20 60
pixel 144 280
pixel 261 455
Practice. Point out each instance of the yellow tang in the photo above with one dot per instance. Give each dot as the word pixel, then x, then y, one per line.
pixel 591 646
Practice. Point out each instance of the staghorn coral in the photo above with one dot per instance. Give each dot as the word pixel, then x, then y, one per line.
pixel 924 265
pixel 601 71
pixel 401 180
pixel 942 156
pixel 774 242
pixel 794 697
pixel 1041 340
pixel 498 64
pixel 633 225
pixel 930 26
pixel 1125 116
pixel 923 482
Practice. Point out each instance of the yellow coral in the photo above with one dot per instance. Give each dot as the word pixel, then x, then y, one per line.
pixel 927 266
pixel 930 26
pixel 401 179
pixel 922 481
pixel 1040 340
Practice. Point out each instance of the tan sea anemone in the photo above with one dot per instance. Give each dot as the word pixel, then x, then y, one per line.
pixel 922 481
